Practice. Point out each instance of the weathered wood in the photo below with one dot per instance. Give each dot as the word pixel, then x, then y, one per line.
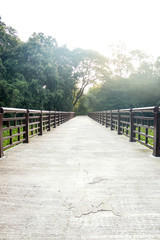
pixel 132 135
pixel 55 124
pixel 1 135
pixel 41 124
pixel 127 120
pixel 156 147
pixel 26 127
pixel 106 119
pixel 118 124
pixel 49 122
pixel 111 119
pixel 32 125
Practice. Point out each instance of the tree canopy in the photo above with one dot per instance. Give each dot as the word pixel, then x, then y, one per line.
pixel 134 82
pixel 40 74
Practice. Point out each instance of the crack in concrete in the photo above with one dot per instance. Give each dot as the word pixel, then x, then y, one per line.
pixel 102 209
pixel 97 180
pixel 99 210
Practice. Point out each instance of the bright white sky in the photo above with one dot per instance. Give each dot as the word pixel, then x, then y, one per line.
pixel 88 24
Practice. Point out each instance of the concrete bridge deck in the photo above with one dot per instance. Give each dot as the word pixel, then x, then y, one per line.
pixel 80 182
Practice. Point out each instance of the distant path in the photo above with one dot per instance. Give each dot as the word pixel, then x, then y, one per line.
pixel 80 182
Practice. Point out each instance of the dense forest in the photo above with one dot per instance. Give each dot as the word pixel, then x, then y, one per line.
pixel 133 81
pixel 40 74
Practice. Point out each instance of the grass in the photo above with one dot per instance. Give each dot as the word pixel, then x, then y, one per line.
pixel 142 138
pixel 6 133
pixel 142 130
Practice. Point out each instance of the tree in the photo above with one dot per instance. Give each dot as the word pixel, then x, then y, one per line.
pixel 88 69
pixel 120 62
pixel 36 74
pixel 141 87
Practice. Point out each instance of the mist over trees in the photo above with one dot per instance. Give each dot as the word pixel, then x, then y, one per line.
pixel 40 74
pixel 134 81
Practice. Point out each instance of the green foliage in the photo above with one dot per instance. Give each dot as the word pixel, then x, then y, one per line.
pixel 137 87
pixel 81 107
pixel 89 68
pixel 38 74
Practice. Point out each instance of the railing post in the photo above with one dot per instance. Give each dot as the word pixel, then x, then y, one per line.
pixel 102 118
pixel 111 120
pixel 41 123
pixel 64 117
pixel 118 123
pixel 156 145
pixel 49 122
pixel 106 120
pixel 1 135
pixel 131 138
pixel 67 116
pixel 54 120
pixel 27 127
pixel 61 118
pixel 58 118
pixel 99 117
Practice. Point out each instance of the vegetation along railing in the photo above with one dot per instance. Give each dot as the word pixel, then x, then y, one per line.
pixel 139 124
pixel 19 125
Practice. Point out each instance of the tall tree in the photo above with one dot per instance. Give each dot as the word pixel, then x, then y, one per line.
pixel 88 69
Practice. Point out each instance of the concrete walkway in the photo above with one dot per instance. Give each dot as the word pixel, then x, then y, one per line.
pixel 80 182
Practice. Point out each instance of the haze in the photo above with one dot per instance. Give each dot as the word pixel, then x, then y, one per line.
pixel 88 24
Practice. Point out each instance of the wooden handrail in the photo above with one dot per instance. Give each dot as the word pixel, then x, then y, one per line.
pixel 12 110
pixel 134 124
pixel 28 123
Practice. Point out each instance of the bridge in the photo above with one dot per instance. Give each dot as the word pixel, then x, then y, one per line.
pixel 79 180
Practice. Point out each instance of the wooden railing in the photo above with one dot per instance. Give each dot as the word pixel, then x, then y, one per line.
pixel 139 124
pixel 19 125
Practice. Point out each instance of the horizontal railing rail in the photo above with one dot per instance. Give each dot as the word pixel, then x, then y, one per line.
pixel 139 124
pixel 19 125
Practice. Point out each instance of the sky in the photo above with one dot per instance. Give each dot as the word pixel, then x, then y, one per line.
pixel 88 24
